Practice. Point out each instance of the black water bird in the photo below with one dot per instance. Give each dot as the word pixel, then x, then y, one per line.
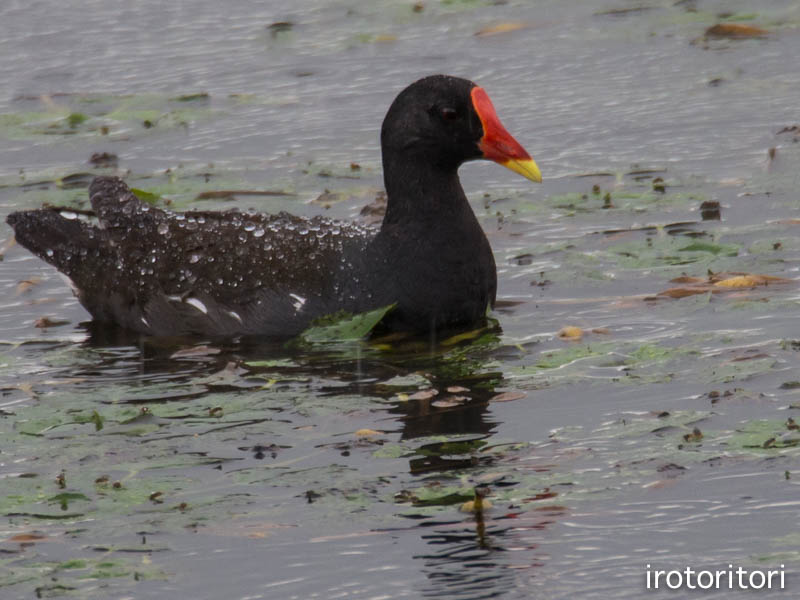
pixel 231 274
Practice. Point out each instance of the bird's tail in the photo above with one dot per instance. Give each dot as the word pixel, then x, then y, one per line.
pixel 57 240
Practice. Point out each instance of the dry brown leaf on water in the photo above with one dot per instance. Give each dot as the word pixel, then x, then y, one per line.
pixel 683 292
pixel 7 246
pixel 45 322
pixel 367 433
pixel 719 282
pixel 659 484
pixel 687 279
pixel 694 437
pixel 501 28
pixel 749 280
pixel 570 332
pixel 751 357
pixel 27 284
pixel 27 538
pixel 508 396
pixel 233 529
pixel 469 506
pixel 735 30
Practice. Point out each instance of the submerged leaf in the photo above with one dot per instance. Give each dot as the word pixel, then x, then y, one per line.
pixel 724 249
pixel 461 337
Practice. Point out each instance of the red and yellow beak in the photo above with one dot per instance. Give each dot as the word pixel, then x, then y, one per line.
pixel 497 144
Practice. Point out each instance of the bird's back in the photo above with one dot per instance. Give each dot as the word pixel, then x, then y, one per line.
pixel 210 273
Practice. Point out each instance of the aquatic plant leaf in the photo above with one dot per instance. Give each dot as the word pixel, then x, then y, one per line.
pixel 558 358
pixel 146 196
pixel 725 249
pixel 344 327
pixel 764 435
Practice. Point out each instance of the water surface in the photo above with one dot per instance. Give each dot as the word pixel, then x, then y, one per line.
pixel 660 437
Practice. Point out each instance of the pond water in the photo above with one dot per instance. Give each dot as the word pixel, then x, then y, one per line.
pixel 664 435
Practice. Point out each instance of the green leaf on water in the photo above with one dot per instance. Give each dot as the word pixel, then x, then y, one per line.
pixel 764 435
pixel 63 499
pixel 95 418
pixel 273 363
pixel 146 196
pixel 202 96
pixel 392 451
pixel 442 495
pixel 656 353
pixel 724 249
pixel 344 327
pixel 76 563
pixel 558 358
pixel 742 370
pixel 75 119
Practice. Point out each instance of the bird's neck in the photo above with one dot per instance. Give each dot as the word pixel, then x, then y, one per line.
pixel 420 191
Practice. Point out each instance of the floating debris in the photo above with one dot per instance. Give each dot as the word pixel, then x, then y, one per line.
pixel 719 282
pixel 231 194
pixel 710 210
pixel 279 27
pixel 694 437
pixel 501 28
pixel 749 280
pixel 104 160
pixel 620 12
pixel 45 322
pixel 570 332
pixel 735 31
pixel 367 433
pixel 202 97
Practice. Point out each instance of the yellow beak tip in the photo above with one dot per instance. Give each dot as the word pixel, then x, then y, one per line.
pixel 525 167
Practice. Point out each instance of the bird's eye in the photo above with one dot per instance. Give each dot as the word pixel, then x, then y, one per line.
pixel 448 114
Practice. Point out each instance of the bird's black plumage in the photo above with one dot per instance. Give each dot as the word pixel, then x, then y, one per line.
pixel 230 274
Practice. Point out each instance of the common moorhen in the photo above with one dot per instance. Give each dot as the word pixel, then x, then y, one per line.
pixel 230 274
